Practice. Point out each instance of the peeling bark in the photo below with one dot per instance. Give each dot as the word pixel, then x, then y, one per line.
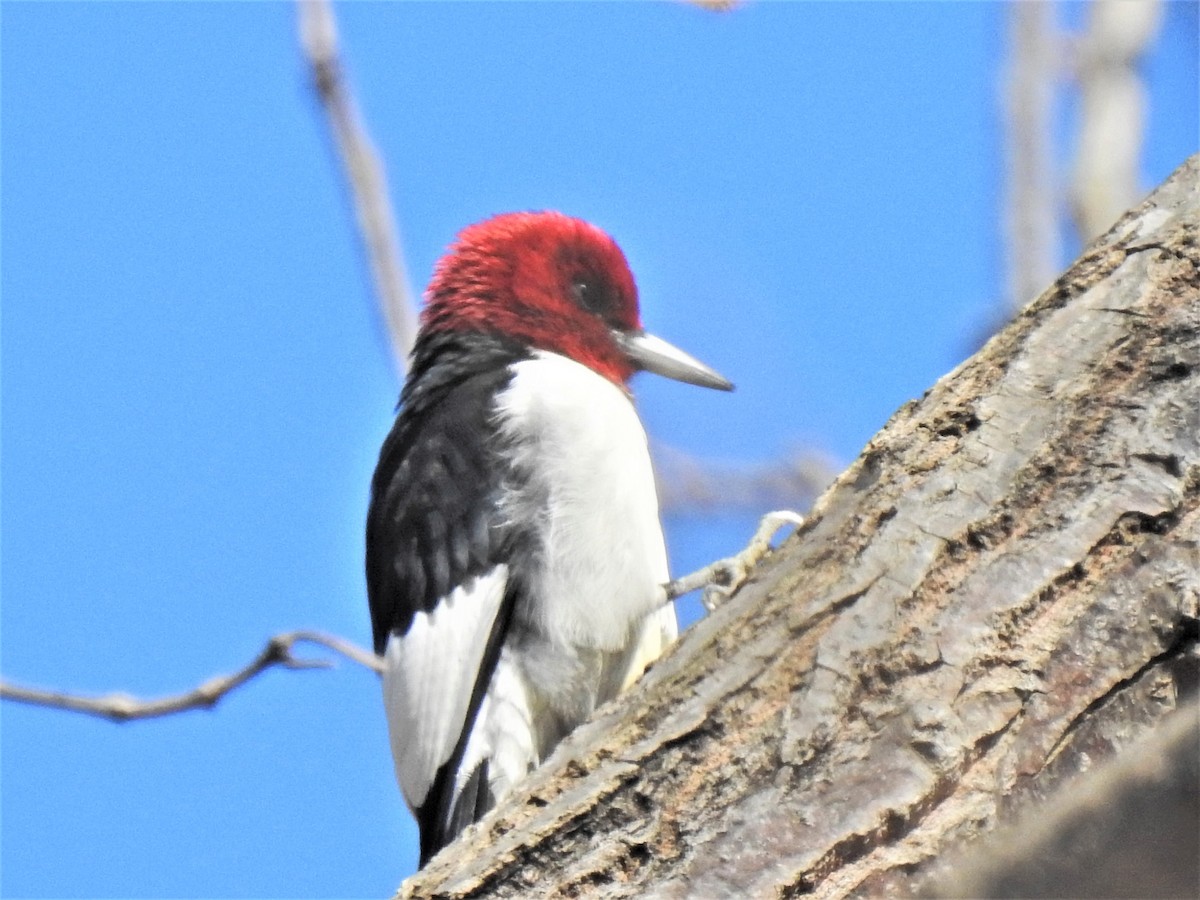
pixel 1000 592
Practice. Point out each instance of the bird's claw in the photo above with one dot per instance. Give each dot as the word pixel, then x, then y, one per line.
pixel 722 579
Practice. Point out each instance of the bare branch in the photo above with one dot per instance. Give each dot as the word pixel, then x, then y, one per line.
pixel 720 579
pixel 123 707
pixel 998 595
pixel 1104 179
pixel 365 174
pixel 1031 201
pixel 687 485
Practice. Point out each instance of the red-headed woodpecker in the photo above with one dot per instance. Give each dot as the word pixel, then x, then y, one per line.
pixel 515 559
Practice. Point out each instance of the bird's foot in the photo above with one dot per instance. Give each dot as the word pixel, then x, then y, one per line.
pixel 721 579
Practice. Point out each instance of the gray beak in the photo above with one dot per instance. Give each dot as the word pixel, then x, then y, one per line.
pixel 655 355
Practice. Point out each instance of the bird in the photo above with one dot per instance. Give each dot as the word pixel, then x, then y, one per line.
pixel 515 558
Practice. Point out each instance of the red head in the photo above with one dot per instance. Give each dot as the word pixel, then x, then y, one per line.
pixel 555 283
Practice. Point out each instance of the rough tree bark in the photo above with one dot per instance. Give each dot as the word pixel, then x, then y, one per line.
pixel 1000 592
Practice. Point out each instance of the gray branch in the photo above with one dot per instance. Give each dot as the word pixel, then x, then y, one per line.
pixel 1001 592
pixel 365 175
pixel 691 486
pixel 124 708
pixel 1032 75
pixel 1112 118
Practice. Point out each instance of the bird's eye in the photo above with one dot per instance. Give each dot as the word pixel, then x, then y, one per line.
pixel 590 296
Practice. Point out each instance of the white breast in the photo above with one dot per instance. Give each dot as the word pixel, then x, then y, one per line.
pixel 579 439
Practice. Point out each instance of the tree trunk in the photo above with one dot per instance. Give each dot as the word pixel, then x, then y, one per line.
pixel 999 593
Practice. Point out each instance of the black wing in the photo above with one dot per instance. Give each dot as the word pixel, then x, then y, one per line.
pixel 434 525
pixel 432 522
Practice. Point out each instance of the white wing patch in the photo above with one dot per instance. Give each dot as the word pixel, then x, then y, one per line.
pixel 429 676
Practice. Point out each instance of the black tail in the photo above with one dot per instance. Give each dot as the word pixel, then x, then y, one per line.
pixel 439 826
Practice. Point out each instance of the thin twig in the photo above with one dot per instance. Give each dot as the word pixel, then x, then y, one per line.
pixel 723 577
pixel 365 174
pixel 123 707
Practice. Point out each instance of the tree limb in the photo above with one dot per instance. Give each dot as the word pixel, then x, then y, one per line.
pixel 124 708
pixel 691 486
pixel 1033 71
pixel 1003 590
pixel 365 175
pixel 1113 103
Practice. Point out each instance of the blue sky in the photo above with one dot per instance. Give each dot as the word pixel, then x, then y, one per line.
pixel 195 386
